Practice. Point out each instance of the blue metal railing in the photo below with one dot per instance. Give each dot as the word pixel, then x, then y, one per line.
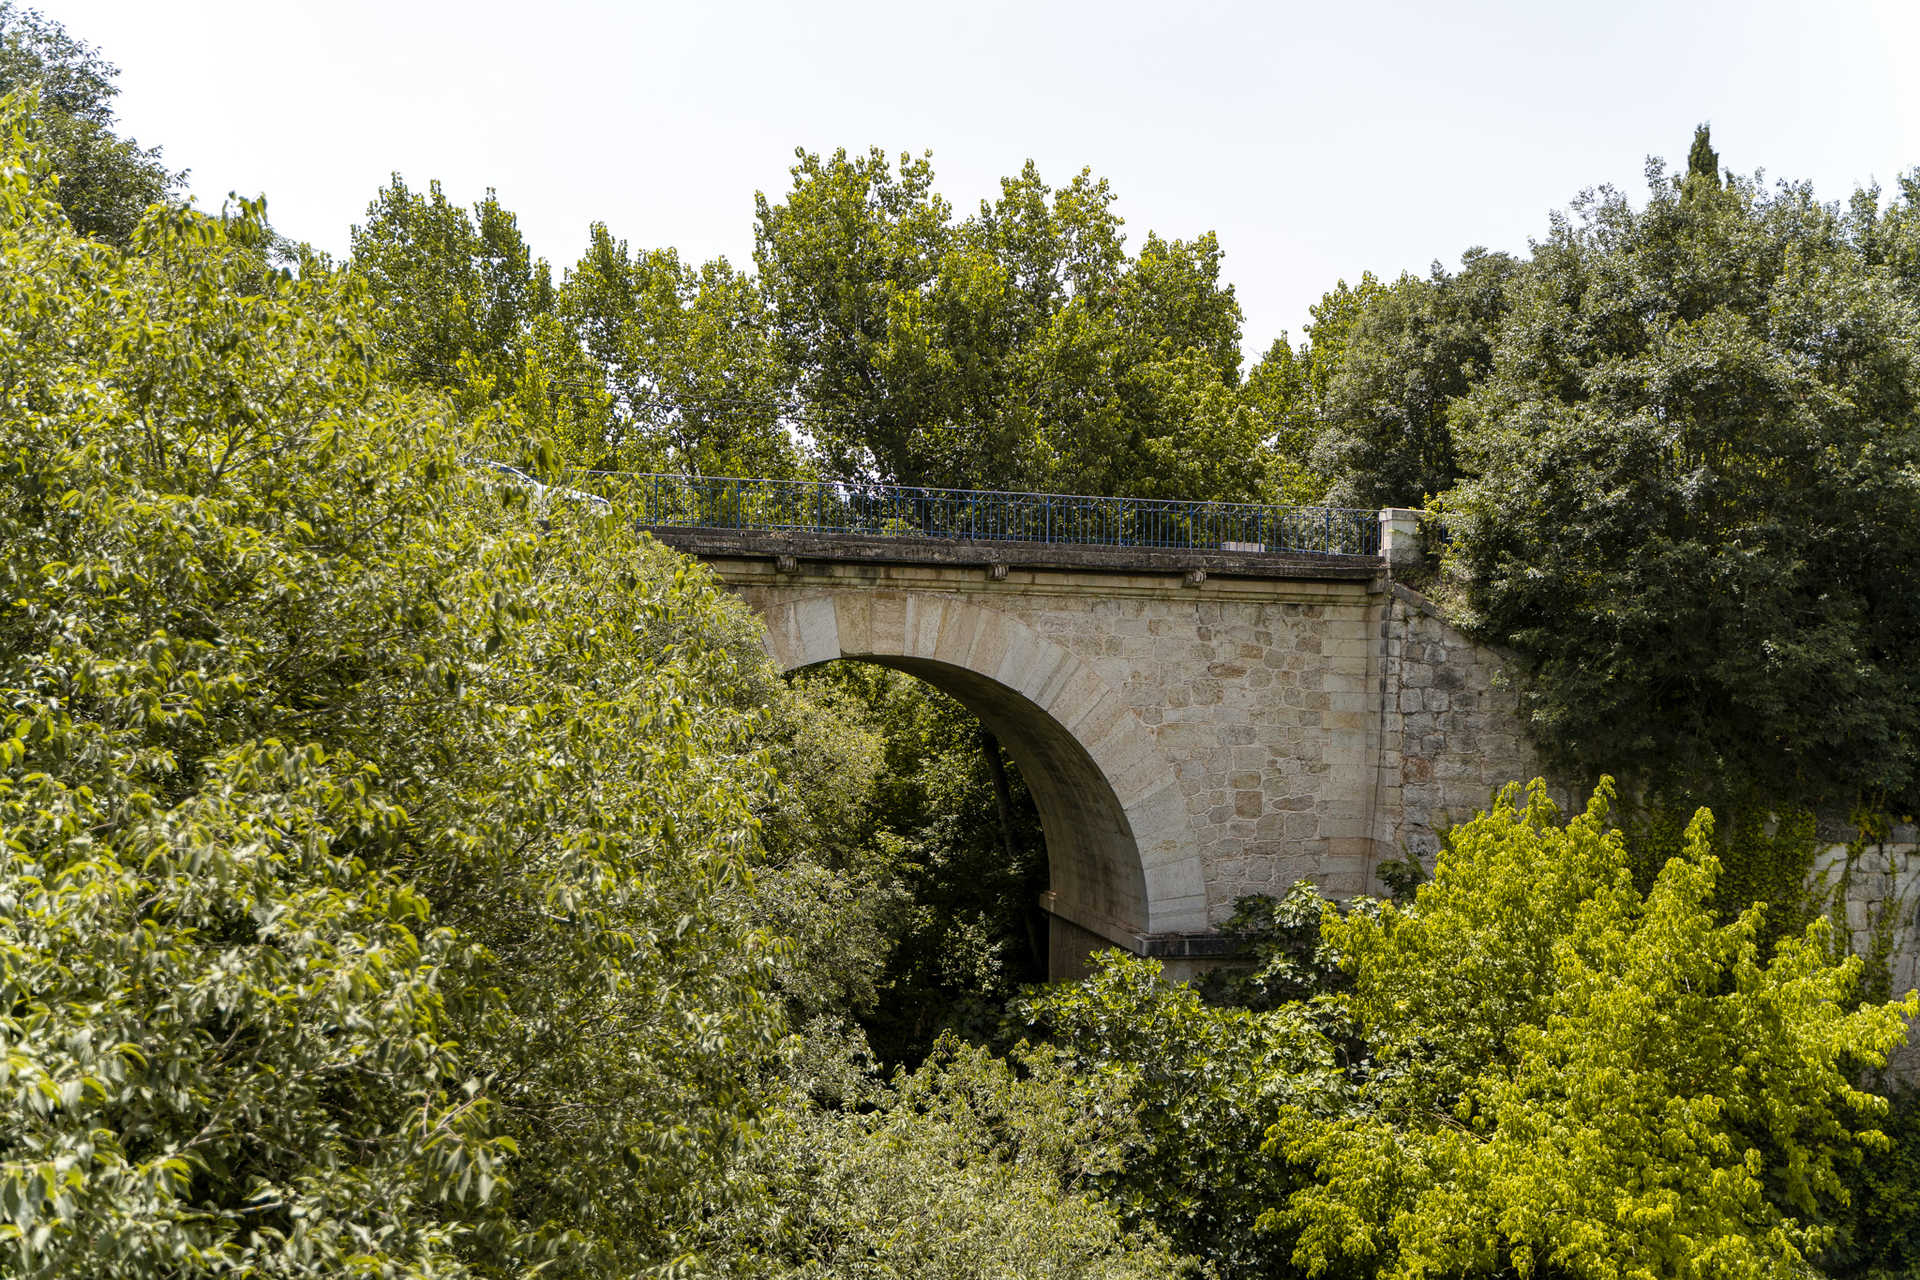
pixel 886 510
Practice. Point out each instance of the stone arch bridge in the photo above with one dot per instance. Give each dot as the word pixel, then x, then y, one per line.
pixel 1194 724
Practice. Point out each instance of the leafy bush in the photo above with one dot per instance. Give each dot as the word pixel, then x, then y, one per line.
pixel 1209 1080
pixel 972 1166
pixel 1282 958
pixel 375 894
pixel 1575 1079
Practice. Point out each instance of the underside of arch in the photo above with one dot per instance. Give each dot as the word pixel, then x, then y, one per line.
pixel 1122 867
pixel 1092 856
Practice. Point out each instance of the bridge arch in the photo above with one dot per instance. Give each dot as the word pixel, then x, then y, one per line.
pixel 1110 804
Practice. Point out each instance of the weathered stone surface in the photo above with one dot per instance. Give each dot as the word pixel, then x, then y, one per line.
pixel 1190 743
pixel 1873 889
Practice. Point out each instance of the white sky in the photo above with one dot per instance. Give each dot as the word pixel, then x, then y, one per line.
pixel 1318 140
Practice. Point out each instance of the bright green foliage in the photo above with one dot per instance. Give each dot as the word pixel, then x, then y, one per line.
pixel 1289 389
pixel 1209 1080
pixel 1018 348
pixel 688 359
pixel 456 294
pixel 972 1167
pixel 1694 495
pixel 1766 858
pixel 374 896
pixel 105 181
pixel 1575 1080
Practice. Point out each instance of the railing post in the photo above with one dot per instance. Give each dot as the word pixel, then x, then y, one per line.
pixel 1399 536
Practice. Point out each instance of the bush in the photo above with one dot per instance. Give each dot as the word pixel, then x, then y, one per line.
pixel 1576 1079
pixel 374 896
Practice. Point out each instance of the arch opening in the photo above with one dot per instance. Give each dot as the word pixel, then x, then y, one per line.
pixel 1124 866
pixel 1097 893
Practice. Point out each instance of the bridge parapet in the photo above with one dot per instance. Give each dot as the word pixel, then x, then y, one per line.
pixel 1192 565
pixel 856 509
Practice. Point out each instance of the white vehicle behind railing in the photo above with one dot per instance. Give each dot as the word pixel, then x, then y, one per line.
pixel 543 493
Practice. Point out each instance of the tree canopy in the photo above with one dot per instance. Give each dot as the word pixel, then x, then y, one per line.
pixel 1569 1078
pixel 362 842
pixel 414 871
pixel 1691 484
pixel 1021 347
pixel 105 181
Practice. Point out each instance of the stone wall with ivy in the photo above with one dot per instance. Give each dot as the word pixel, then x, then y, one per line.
pixel 1873 887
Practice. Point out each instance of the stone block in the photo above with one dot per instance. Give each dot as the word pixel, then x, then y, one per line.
pixel 1180 913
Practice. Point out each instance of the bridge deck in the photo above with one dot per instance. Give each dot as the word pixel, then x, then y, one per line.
pixel 962 553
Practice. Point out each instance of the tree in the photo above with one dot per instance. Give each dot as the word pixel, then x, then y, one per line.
pixel 105 181
pixel 1279 391
pixel 1692 496
pixel 376 868
pixel 848 262
pixel 970 1166
pixel 1703 161
pixel 1209 1081
pixel 1018 348
pixel 1134 389
pixel 1889 239
pixel 1289 388
pixel 952 861
pixel 1414 347
pixel 689 360
pixel 456 292
pixel 1576 1080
